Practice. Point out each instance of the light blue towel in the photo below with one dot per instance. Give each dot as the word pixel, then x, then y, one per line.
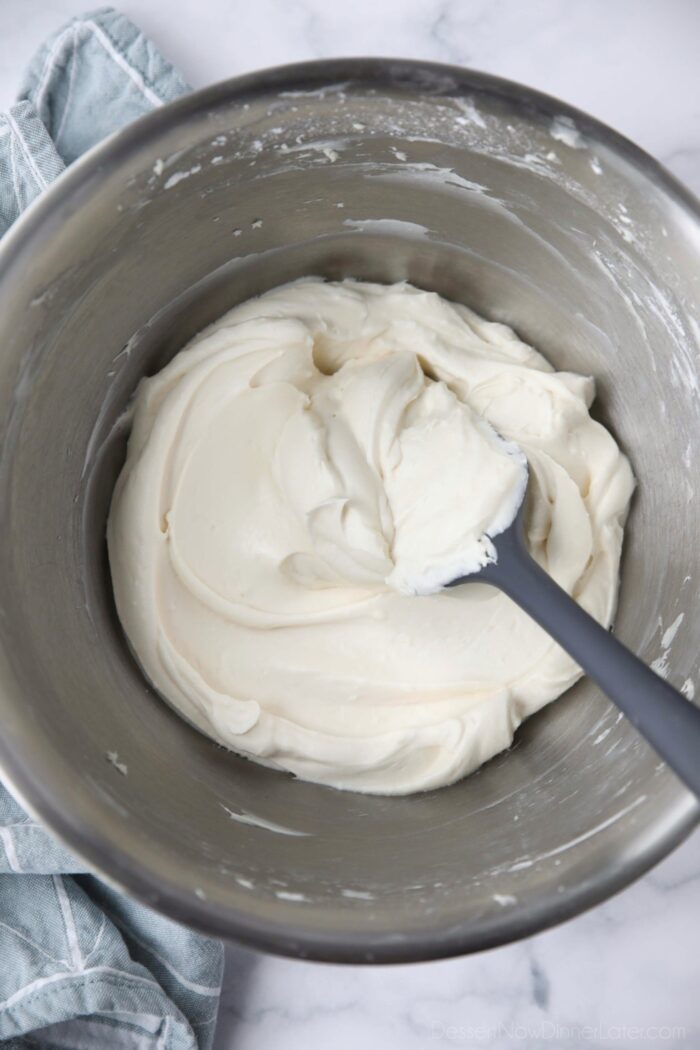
pixel 81 966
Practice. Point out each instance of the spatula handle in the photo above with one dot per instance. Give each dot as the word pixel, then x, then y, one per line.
pixel 669 721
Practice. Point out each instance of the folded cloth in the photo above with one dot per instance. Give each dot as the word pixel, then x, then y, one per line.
pixel 81 965
pixel 89 79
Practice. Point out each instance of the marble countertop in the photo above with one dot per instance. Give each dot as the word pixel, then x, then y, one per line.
pixel 627 973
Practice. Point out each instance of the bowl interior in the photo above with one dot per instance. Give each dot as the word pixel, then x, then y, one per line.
pixel 489 195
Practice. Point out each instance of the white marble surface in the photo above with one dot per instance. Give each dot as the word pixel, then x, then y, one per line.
pixel 632 63
pixel 626 974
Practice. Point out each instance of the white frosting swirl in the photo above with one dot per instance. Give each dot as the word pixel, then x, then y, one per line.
pixel 305 467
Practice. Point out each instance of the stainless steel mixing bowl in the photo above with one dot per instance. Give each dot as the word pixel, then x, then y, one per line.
pixel 488 193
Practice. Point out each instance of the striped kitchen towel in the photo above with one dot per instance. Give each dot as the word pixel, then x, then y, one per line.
pixel 82 966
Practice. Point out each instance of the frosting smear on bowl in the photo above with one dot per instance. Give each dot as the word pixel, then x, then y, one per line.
pixel 300 482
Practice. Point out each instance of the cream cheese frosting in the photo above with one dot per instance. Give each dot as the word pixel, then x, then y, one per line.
pixel 301 478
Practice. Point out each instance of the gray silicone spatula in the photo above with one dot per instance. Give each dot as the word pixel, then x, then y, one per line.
pixel 669 721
